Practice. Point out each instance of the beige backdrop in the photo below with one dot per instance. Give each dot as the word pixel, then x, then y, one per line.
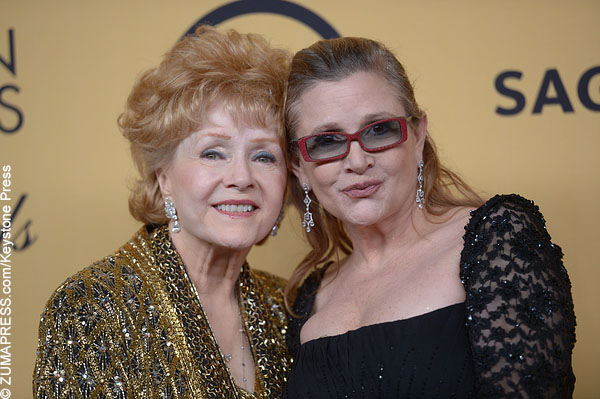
pixel 75 63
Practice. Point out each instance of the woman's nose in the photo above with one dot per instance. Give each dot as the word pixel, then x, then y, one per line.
pixel 358 160
pixel 238 175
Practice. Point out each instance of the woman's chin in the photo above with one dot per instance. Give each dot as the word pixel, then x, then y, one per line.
pixel 227 237
pixel 361 220
pixel 361 215
pixel 239 242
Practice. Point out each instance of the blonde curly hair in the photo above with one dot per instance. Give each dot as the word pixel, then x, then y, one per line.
pixel 167 103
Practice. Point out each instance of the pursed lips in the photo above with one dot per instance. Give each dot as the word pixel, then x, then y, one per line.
pixel 362 189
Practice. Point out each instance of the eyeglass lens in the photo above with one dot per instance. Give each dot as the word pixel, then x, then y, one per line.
pixel 372 137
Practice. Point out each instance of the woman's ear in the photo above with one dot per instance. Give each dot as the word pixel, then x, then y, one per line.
pixel 298 169
pixel 163 182
pixel 420 135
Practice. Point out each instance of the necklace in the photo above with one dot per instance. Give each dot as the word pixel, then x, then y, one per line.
pixel 228 356
pixel 248 290
pixel 242 347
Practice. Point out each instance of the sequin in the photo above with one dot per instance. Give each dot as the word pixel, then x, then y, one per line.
pixel 132 325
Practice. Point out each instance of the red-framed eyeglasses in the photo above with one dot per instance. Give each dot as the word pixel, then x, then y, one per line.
pixel 377 136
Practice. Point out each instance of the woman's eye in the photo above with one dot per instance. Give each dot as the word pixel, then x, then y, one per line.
pixel 264 157
pixel 325 140
pixel 380 128
pixel 212 155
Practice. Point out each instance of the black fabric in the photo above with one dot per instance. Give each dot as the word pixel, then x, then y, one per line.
pixel 512 338
pixel 424 356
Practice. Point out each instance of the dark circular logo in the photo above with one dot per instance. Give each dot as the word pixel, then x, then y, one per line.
pixel 280 7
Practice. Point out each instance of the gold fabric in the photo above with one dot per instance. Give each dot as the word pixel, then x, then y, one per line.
pixel 132 326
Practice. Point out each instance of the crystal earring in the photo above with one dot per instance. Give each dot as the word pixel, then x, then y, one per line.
pixel 276 225
pixel 307 222
pixel 172 214
pixel 420 198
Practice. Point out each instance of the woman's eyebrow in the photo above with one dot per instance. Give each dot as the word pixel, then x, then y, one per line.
pixel 263 139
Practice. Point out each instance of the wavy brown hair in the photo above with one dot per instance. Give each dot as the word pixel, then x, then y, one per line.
pixel 167 103
pixel 334 60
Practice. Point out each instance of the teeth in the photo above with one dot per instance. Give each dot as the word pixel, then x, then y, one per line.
pixel 235 208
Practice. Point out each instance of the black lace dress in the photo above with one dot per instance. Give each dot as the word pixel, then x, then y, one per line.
pixel 511 338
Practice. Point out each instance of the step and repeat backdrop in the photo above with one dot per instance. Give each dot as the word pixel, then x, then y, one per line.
pixel 511 88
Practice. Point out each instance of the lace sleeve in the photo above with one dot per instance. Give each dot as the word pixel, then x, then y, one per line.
pixel 519 307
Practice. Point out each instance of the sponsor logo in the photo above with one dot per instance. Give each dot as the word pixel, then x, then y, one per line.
pixel 280 7
pixel 552 92
pixel 11 116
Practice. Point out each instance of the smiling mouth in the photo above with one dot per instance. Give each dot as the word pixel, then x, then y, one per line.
pixel 235 208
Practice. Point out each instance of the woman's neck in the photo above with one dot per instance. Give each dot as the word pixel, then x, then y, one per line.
pixel 374 243
pixel 213 270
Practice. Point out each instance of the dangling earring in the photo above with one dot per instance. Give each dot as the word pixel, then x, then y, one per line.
pixel 172 214
pixel 420 198
pixel 276 226
pixel 307 223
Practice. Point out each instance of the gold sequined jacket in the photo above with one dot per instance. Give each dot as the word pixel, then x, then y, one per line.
pixel 132 326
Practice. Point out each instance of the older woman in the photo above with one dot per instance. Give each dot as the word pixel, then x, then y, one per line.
pixel 177 312
pixel 417 307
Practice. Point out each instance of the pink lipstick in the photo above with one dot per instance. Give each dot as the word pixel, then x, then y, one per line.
pixel 362 190
pixel 237 209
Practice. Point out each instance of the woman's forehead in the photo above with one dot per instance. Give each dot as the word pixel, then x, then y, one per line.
pixel 238 112
pixel 347 104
